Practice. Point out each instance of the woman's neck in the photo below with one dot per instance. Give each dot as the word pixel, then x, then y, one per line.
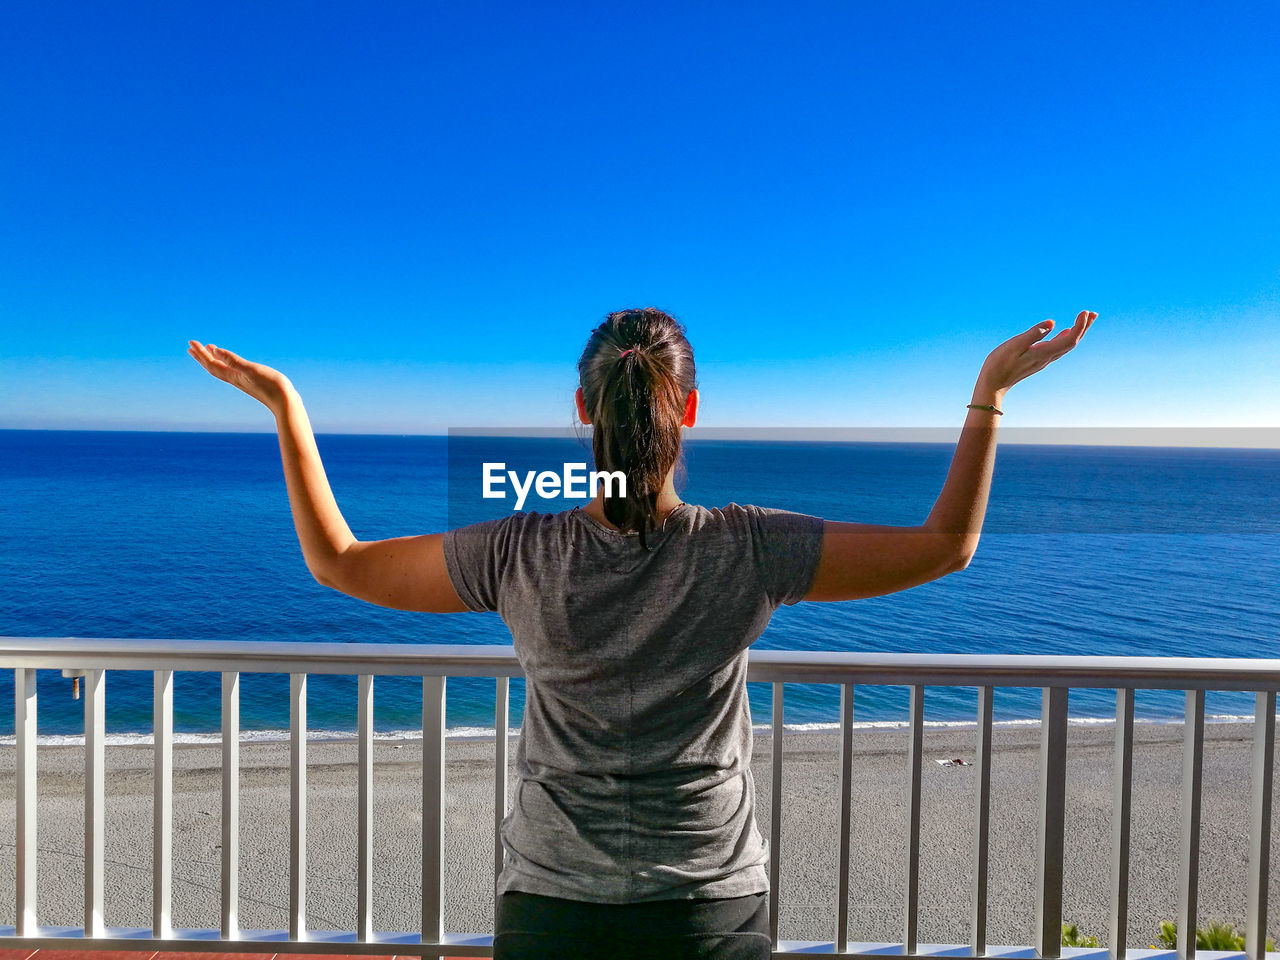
pixel 668 500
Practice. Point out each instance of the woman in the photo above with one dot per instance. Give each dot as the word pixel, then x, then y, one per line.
pixel 632 826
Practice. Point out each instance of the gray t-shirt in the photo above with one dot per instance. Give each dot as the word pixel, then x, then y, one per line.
pixel 634 758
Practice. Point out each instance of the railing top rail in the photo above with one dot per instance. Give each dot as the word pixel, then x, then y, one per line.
pixel 410 659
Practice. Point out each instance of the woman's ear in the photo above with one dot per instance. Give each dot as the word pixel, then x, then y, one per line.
pixel 690 410
pixel 581 404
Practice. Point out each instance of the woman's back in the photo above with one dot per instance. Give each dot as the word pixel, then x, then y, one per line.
pixel 636 716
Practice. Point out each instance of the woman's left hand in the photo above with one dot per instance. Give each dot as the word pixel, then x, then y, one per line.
pixel 259 381
pixel 1021 356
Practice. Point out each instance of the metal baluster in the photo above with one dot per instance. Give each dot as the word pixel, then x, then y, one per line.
pixel 501 727
pixel 981 823
pixel 230 804
pixel 1121 812
pixel 1264 748
pixel 162 802
pixel 915 748
pixel 775 815
pixel 24 728
pixel 364 840
pixel 298 806
pixel 433 694
pixel 1189 863
pixel 1049 837
pixel 846 799
pixel 94 799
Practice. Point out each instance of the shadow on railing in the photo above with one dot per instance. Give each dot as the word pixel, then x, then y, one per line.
pixel 1055 675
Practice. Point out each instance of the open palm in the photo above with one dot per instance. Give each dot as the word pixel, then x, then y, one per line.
pixel 1027 353
pixel 257 380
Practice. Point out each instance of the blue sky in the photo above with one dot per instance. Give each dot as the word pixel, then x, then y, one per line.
pixel 418 211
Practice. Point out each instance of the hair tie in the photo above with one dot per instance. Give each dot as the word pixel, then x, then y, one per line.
pixel 625 352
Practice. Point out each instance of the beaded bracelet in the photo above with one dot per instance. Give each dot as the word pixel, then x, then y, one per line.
pixel 985 406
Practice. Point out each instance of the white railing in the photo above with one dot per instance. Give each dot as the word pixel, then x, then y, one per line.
pixel 1055 675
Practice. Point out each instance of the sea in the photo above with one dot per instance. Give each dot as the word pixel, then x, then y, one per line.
pixel 1117 550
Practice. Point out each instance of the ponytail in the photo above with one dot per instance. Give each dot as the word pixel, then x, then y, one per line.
pixel 636 373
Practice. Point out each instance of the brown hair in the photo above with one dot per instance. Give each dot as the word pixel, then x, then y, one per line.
pixel 636 373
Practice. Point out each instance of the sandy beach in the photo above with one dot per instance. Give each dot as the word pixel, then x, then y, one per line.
pixel 809 832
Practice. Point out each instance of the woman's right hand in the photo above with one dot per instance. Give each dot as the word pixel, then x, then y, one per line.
pixel 1021 356
pixel 259 381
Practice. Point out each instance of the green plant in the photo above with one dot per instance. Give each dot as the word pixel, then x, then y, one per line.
pixel 1216 936
pixel 1071 937
pixel 1219 936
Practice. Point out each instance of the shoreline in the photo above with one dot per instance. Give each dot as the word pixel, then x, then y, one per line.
pixel 488 734
pixel 808 847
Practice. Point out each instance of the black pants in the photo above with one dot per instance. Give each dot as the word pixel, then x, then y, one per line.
pixel 532 927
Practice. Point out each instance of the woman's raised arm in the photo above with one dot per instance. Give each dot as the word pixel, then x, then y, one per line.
pixel 407 573
pixel 863 560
